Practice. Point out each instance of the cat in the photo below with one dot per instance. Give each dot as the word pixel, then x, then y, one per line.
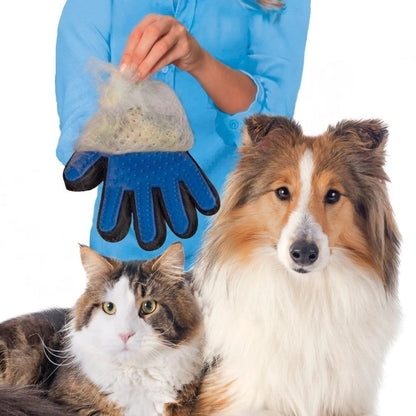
pixel 131 346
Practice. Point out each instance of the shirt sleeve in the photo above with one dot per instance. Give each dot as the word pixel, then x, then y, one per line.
pixel 274 63
pixel 83 33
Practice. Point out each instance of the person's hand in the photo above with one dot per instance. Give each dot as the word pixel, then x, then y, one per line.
pixel 158 41
pixel 152 187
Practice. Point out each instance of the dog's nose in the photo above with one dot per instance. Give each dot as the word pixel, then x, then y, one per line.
pixel 304 253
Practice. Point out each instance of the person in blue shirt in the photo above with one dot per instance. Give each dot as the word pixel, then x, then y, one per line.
pixel 225 59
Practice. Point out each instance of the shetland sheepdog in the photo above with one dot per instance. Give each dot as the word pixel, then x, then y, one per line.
pixel 298 274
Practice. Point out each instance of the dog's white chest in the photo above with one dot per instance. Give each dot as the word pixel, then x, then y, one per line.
pixel 303 347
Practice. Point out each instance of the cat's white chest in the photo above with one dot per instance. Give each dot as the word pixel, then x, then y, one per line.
pixel 140 393
pixel 137 403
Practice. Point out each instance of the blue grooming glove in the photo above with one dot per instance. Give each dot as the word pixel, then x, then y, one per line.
pixel 137 144
pixel 152 187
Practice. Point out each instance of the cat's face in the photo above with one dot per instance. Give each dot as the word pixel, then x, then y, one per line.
pixel 134 308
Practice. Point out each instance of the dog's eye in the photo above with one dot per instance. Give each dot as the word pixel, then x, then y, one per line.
pixel 332 196
pixel 283 193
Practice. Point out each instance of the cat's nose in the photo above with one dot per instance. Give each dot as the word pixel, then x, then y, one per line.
pixel 126 337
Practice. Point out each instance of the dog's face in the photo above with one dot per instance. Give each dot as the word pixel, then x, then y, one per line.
pixel 313 203
pixel 305 198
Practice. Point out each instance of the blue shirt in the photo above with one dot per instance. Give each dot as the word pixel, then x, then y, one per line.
pixel 266 45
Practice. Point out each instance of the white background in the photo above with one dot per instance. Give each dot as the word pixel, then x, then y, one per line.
pixel 360 63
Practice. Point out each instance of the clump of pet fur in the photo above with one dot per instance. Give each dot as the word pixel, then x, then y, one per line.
pixel 135 116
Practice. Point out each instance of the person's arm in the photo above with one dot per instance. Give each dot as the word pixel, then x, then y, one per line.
pixel 83 33
pixel 274 63
pixel 232 91
pixel 276 54
pixel 160 40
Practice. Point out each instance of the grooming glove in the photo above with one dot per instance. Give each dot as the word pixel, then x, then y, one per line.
pixel 137 146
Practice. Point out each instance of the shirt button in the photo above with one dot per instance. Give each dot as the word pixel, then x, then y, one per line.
pixel 165 69
pixel 234 124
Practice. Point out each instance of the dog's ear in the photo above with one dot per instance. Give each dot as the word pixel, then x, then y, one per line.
pixel 257 128
pixel 366 134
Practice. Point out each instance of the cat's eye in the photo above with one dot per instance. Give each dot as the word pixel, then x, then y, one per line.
pixel 148 307
pixel 109 308
pixel 283 193
pixel 332 196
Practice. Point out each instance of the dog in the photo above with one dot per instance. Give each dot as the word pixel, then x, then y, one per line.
pixel 298 274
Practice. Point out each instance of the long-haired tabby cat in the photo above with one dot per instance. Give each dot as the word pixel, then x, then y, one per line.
pixel 130 346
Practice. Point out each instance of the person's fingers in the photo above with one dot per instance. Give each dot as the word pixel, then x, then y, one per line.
pixel 177 47
pixel 143 39
pixel 150 36
pixel 133 40
pixel 163 53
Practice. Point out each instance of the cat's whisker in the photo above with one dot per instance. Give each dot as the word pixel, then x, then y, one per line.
pixel 50 353
pixel 67 361
pixel 56 353
pixel 64 363
pixel 66 329
pixel 168 344
pixel 61 364
pixel 50 350
pixel 53 351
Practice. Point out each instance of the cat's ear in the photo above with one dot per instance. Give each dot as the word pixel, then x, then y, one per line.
pixel 95 265
pixel 171 262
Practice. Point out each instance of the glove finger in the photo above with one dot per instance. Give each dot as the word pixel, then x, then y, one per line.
pixel 84 171
pixel 200 189
pixel 114 216
pixel 149 224
pixel 179 210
